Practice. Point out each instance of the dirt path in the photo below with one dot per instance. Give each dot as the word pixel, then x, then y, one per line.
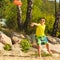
pixel 28 58
pixel 17 54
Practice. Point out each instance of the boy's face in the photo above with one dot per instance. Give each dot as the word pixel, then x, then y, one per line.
pixel 42 20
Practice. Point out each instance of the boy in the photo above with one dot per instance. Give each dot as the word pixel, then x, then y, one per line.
pixel 40 35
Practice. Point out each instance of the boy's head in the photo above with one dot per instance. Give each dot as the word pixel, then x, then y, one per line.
pixel 42 20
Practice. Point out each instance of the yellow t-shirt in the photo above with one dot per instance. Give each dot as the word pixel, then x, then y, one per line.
pixel 40 30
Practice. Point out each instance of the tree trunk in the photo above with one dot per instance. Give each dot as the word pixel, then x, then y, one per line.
pixel 55 27
pixel 28 14
pixel 1 5
pixel 19 20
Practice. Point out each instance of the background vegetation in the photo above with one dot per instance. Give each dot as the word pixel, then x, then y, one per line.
pixel 40 8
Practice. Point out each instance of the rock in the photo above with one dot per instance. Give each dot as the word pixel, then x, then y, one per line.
pixel 18 35
pixel 28 37
pixel 55 55
pixel 16 39
pixel 57 39
pixel 16 50
pixel 33 39
pixel 5 39
pixel 51 39
pixel 55 48
pixel 1 46
pixel 22 36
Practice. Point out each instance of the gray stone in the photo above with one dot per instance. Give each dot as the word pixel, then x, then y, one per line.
pixel 33 39
pixel 16 39
pixel 1 46
pixel 52 39
pixel 5 39
pixel 57 39
pixel 28 37
pixel 18 35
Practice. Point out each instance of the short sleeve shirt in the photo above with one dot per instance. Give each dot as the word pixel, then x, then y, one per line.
pixel 40 30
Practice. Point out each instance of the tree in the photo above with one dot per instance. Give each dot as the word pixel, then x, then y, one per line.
pixel 28 14
pixel 1 8
pixel 10 14
pixel 19 20
pixel 15 19
pixel 55 26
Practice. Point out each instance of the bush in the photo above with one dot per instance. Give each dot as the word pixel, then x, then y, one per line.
pixel 57 34
pixel 25 44
pixel 7 47
pixel 45 54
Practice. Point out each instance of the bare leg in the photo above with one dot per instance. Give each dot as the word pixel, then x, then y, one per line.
pixel 39 50
pixel 48 49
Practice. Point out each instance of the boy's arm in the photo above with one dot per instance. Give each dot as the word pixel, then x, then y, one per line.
pixel 34 24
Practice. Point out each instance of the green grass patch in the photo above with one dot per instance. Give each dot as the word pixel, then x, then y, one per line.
pixel 7 47
pixel 42 54
pixel 25 45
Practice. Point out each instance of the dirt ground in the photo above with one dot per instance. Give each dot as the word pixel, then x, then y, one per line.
pixel 27 58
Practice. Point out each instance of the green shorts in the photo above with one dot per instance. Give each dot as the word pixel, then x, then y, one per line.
pixel 41 40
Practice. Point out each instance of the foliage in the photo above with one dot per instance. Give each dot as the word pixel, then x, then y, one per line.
pixel 7 47
pixel 41 8
pixel 25 44
pixel 58 34
pixel 49 23
pixel 45 9
pixel 11 17
pixel 7 32
pixel 9 13
pixel 24 9
pixel 43 54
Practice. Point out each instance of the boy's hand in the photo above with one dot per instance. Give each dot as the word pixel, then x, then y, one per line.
pixel 32 24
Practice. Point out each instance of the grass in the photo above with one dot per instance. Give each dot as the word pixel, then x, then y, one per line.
pixel 7 47
pixel 42 54
pixel 45 54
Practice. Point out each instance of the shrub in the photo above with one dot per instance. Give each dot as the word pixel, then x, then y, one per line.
pixel 7 47
pixel 57 34
pixel 25 44
pixel 43 54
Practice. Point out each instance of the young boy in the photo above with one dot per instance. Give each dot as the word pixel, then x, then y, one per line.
pixel 40 35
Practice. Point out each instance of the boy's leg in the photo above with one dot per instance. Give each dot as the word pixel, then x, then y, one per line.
pixel 39 50
pixel 38 46
pixel 47 44
pixel 48 49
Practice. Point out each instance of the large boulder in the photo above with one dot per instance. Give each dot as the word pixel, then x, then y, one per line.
pixel 1 46
pixel 16 38
pixel 58 40
pixel 5 39
pixel 17 35
pixel 52 39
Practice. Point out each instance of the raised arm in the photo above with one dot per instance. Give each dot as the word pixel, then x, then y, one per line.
pixel 34 24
